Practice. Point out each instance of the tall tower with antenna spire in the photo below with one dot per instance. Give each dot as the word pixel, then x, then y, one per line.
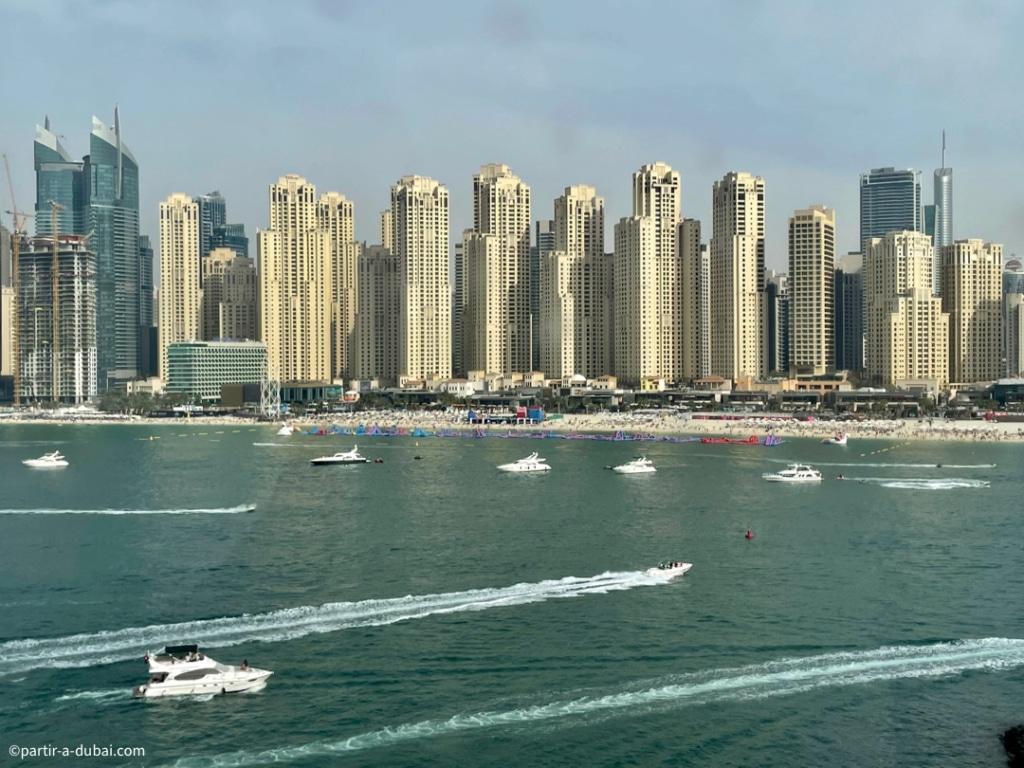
pixel 943 202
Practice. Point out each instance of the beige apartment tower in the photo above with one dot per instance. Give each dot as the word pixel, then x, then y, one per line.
pixel 497 262
pixel 180 294
pixel 575 289
pixel 812 255
pixel 906 331
pixel 335 213
pixel 230 290
pixel 295 258
pixel 379 284
pixel 420 220
pixel 695 295
pixel 737 276
pixel 636 326
pixel 971 281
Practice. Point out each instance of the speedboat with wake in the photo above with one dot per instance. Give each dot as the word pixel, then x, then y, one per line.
pixel 343 457
pixel 285 430
pixel 53 460
pixel 638 466
pixel 839 438
pixel 532 463
pixel 794 473
pixel 670 569
pixel 181 670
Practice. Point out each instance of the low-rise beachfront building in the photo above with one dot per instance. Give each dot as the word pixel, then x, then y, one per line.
pixel 200 368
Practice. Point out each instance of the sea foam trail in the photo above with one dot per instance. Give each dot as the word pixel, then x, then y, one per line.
pixel 777 678
pixel 887 464
pixel 200 511
pixel 287 624
pixel 923 483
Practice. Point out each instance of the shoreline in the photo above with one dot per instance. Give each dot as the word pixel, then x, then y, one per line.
pixel 631 425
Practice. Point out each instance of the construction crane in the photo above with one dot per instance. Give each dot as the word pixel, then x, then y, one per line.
pixel 18 219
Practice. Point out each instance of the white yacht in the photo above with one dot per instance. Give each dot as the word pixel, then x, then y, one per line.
pixel 344 457
pixel 285 430
pixel 181 670
pixel 638 466
pixel 839 438
pixel 53 460
pixel 532 463
pixel 670 569
pixel 794 473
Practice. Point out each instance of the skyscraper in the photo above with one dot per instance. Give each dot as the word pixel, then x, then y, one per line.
pixel 907 333
pixel 1013 317
pixel 148 339
pixel 778 327
pixel 336 214
pixel 637 342
pixel 943 202
pixel 62 181
pixel 64 371
pixel 213 213
pixel 230 290
pixel 543 242
pixel 849 325
pixel 737 276
pixel 419 228
pixel 695 291
pixel 972 296
pixel 380 286
pixel 890 201
pixel 295 284
pixel 575 323
pixel 180 294
pixel 231 236
pixel 459 292
pixel 812 251
pixel 500 298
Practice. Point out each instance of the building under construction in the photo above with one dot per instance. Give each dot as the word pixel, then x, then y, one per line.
pixel 65 371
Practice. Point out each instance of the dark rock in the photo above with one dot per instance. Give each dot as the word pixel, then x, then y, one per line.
pixel 1013 743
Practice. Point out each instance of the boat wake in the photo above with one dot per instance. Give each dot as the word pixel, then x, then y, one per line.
pixel 887 464
pixel 923 483
pixel 280 445
pixel 783 677
pixel 110 693
pixel 106 647
pixel 202 511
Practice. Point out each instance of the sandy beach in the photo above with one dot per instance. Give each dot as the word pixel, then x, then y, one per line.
pixel 648 424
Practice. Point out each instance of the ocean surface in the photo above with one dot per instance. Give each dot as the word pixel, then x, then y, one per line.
pixel 432 611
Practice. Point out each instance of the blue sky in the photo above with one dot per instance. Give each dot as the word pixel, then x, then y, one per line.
pixel 352 95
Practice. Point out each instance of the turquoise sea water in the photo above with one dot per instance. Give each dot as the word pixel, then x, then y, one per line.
pixel 436 612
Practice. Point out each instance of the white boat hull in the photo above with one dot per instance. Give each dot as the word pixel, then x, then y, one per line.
pixel 634 470
pixel 670 573
pixel 250 680
pixel 514 468
pixel 37 464
pixel 320 462
pixel 795 480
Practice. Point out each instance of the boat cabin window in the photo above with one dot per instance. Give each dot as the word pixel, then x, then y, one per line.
pixel 158 678
pixel 195 674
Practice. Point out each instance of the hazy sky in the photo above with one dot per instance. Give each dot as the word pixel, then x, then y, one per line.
pixel 353 95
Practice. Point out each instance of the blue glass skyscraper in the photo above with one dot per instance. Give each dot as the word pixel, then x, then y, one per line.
pixel 890 201
pixel 61 180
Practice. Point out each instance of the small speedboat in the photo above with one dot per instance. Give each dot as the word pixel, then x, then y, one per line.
pixel 181 670
pixel 670 569
pixel 53 460
pixel 344 457
pixel 837 439
pixel 639 465
pixel 285 430
pixel 794 473
pixel 532 463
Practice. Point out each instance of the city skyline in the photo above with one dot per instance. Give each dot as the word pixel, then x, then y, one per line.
pixel 556 127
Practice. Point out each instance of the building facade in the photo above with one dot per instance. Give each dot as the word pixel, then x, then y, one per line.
pixel 295 285
pixel 419 230
pixel 380 283
pixel 336 214
pixel 890 201
pixel 1013 317
pixel 543 243
pixel 231 236
pixel 636 330
pixel 213 213
pixel 812 252
pixel 972 295
pixel 696 293
pixel 737 276
pixel 230 290
pixel 849 315
pixel 198 369
pixel 943 203
pixel 180 294
pixel 66 371
pixel 778 324
pixel 906 333
pixel 500 244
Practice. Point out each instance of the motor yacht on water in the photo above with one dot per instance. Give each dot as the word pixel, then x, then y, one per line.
pixel 532 463
pixel 839 438
pixel 181 670
pixel 794 473
pixel 670 569
pixel 53 460
pixel 285 430
pixel 639 465
pixel 343 457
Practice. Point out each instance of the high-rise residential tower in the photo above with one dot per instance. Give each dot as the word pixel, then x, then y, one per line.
pixel 972 296
pixel 419 227
pixel 849 323
pixel 737 276
pixel 335 214
pixel 148 338
pixel 906 331
pixel 295 260
pixel 380 286
pixel 1013 318
pixel 180 294
pixel 497 252
pixel 636 354
pixel 543 243
pixel 890 201
pixel 230 290
pixel 696 294
pixel 231 236
pixel 778 323
pixel 213 213
pixel 812 251
pixel 575 301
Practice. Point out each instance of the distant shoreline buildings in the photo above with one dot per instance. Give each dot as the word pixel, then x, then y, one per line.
pixel 518 298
